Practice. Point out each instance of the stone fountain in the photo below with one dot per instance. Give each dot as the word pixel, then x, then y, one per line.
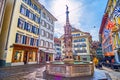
pixel 68 67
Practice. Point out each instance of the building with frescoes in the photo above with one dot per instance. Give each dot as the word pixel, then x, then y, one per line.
pixel 109 31
pixel 46 48
pixel 20 32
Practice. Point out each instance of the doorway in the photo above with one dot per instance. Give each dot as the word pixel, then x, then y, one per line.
pixel 25 57
pixel 47 57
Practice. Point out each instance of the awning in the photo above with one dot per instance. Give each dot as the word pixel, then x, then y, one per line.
pixel 47 50
pixel 109 54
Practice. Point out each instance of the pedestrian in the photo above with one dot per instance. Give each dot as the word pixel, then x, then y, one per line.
pixel 112 60
pixel 95 60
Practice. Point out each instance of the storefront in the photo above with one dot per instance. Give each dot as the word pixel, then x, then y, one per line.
pixel 23 54
pixel 109 57
pixel 46 55
pixel 76 57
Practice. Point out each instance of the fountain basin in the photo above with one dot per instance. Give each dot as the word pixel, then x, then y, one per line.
pixel 70 70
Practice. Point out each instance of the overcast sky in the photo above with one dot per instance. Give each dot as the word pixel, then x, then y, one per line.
pixel 84 14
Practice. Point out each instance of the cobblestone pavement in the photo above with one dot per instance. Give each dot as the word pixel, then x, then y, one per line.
pixel 115 75
pixel 26 72
pixel 37 72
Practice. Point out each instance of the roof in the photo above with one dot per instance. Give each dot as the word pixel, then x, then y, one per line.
pixel 43 8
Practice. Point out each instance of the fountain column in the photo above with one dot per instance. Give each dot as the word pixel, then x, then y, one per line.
pixel 68 37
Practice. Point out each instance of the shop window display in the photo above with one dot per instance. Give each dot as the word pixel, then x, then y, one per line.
pixel 17 56
pixel 30 56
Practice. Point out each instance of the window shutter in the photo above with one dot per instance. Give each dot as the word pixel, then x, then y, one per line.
pixel 21 9
pixel 37 42
pixel 30 41
pixel 27 12
pixel 32 29
pixel 16 40
pixel 38 31
pixel 18 22
pixel 25 25
pixel 34 17
pixel 23 41
pixel 39 20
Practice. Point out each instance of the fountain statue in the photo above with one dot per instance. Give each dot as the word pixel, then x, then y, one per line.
pixel 68 40
pixel 68 67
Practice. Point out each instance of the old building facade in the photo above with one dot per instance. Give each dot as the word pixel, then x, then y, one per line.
pixel 81 42
pixel 27 28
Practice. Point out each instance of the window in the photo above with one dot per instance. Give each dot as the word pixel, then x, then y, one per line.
pixel 39 10
pixel 23 10
pixel 26 1
pixel 57 48
pixel 44 15
pixel 28 40
pixel 19 38
pixel 17 57
pixel 41 42
pixel 28 27
pixel 83 45
pixel 43 32
pixel 47 26
pixel 30 57
pixel 35 42
pixel 38 31
pixel 31 41
pixel 21 23
pixel 24 39
pixel 35 7
pixel 37 19
pixel 42 22
pixel 83 40
pixel 34 30
pixel 32 5
pixel 51 45
pixel 47 34
pixel 75 35
pixel 30 15
pixel 51 37
pixel 52 28
pixel 47 44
